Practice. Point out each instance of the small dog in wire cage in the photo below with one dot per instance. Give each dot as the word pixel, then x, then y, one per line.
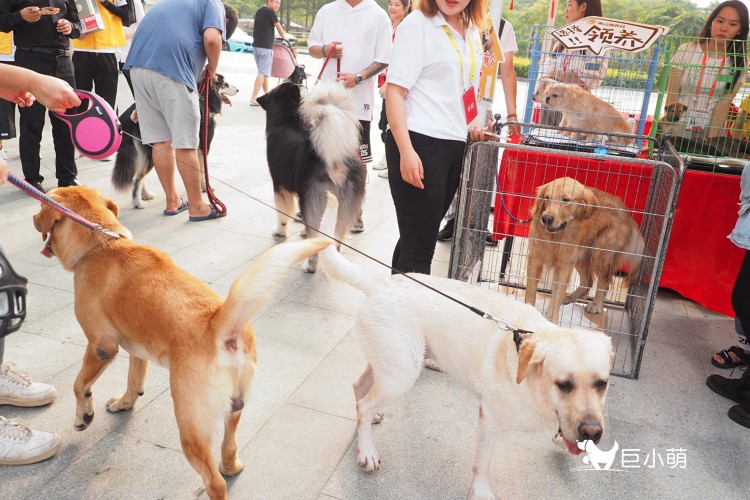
pixel 583 110
pixel 581 228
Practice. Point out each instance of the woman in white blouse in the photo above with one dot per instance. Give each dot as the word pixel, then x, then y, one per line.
pixel 431 107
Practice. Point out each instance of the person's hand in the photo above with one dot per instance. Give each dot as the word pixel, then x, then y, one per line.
pixel 134 116
pixel 31 14
pixel 412 170
pixel 19 97
pixel 209 72
pixel 54 94
pixel 478 134
pixel 348 79
pixel 3 171
pixel 64 27
pixel 338 50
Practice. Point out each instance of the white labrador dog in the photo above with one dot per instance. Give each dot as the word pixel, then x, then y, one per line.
pixel 558 378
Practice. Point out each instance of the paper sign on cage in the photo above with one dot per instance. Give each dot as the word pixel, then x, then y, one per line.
pixel 599 34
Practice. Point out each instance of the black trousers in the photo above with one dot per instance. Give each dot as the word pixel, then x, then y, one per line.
pixel 741 297
pixel 365 151
pixel 419 211
pixel 97 71
pixel 31 121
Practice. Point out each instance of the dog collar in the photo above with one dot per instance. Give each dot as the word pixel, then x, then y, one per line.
pixel 519 334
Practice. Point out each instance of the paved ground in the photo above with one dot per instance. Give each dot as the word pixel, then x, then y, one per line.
pixel 296 435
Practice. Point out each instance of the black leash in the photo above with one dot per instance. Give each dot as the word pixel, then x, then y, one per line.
pixel 503 325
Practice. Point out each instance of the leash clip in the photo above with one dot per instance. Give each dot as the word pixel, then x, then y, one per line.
pixel 518 334
pixel 98 228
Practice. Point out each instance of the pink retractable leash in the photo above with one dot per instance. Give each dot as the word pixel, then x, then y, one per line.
pixel 96 131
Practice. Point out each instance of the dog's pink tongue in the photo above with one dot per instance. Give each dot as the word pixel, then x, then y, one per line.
pixel 573 448
pixel 47 251
pixel 226 100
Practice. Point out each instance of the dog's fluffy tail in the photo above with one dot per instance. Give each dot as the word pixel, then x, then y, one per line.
pixel 253 288
pixel 335 266
pixel 329 109
pixel 127 156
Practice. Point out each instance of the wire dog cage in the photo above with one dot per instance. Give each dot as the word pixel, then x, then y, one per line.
pixel 649 190
pixel 582 206
pixel 704 105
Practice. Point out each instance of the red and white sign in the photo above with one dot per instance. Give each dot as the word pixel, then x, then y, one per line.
pixel 599 34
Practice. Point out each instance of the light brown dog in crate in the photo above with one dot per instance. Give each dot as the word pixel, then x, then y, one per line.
pixel 577 227
pixel 133 296
pixel 583 110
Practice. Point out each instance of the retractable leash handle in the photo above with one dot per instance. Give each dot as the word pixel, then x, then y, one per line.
pixel 96 131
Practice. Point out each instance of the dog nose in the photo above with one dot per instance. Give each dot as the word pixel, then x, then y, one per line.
pixel 589 430
pixel 547 220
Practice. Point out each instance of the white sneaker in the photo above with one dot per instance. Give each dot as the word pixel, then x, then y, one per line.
pixel 3 154
pixel 17 389
pixel 20 444
pixel 383 174
pixel 381 165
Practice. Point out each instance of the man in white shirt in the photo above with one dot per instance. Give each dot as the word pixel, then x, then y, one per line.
pixel 359 33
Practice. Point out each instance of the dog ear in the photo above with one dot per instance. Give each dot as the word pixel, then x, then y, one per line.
pixel 528 356
pixel 45 219
pixel 589 201
pixel 112 206
pixel 540 204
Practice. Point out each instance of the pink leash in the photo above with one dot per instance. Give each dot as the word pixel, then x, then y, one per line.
pixel 35 193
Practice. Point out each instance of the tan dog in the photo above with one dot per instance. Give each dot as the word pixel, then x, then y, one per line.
pixel 557 379
pixel 581 228
pixel 134 296
pixel 583 110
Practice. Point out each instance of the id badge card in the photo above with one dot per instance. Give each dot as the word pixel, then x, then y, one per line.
pixel 470 105
pixel 697 120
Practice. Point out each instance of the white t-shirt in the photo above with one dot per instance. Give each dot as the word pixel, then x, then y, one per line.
pixel 696 65
pixel 425 62
pixel 508 39
pixel 365 34
pixel 122 52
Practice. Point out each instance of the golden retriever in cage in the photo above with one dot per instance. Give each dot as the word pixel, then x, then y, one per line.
pixel 584 111
pixel 578 227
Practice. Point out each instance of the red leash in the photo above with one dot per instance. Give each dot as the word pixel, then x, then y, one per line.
pixel 325 63
pixel 216 204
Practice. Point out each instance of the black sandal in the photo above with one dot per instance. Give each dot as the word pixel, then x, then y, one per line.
pixel 742 357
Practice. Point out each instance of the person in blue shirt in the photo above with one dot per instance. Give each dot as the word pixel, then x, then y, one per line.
pixel 177 43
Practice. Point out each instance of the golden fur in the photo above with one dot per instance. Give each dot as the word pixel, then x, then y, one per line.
pixel 583 110
pixel 581 228
pixel 133 296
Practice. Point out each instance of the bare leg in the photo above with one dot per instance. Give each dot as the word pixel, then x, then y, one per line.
pixel 188 165
pixel 164 163
pixel 260 80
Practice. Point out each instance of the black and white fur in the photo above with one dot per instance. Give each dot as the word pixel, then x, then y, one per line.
pixel 134 158
pixel 312 146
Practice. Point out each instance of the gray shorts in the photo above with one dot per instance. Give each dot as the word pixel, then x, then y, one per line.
pixel 167 109
pixel 264 60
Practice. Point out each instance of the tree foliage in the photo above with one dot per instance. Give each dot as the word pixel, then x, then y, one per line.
pixel 683 17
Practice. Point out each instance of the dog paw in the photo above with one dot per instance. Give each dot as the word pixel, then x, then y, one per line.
pixel 480 490
pixel 308 267
pixel 368 460
pixel 569 299
pixel 82 423
pixel 232 470
pixel 378 417
pixel 279 233
pixel 119 404
pixel 140 204
pixel 303 232
pixel 592 308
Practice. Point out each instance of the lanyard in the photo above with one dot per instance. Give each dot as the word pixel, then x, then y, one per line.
pixel 700 79
pixel 460 57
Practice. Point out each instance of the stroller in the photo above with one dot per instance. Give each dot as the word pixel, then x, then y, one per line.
pixel 285 64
